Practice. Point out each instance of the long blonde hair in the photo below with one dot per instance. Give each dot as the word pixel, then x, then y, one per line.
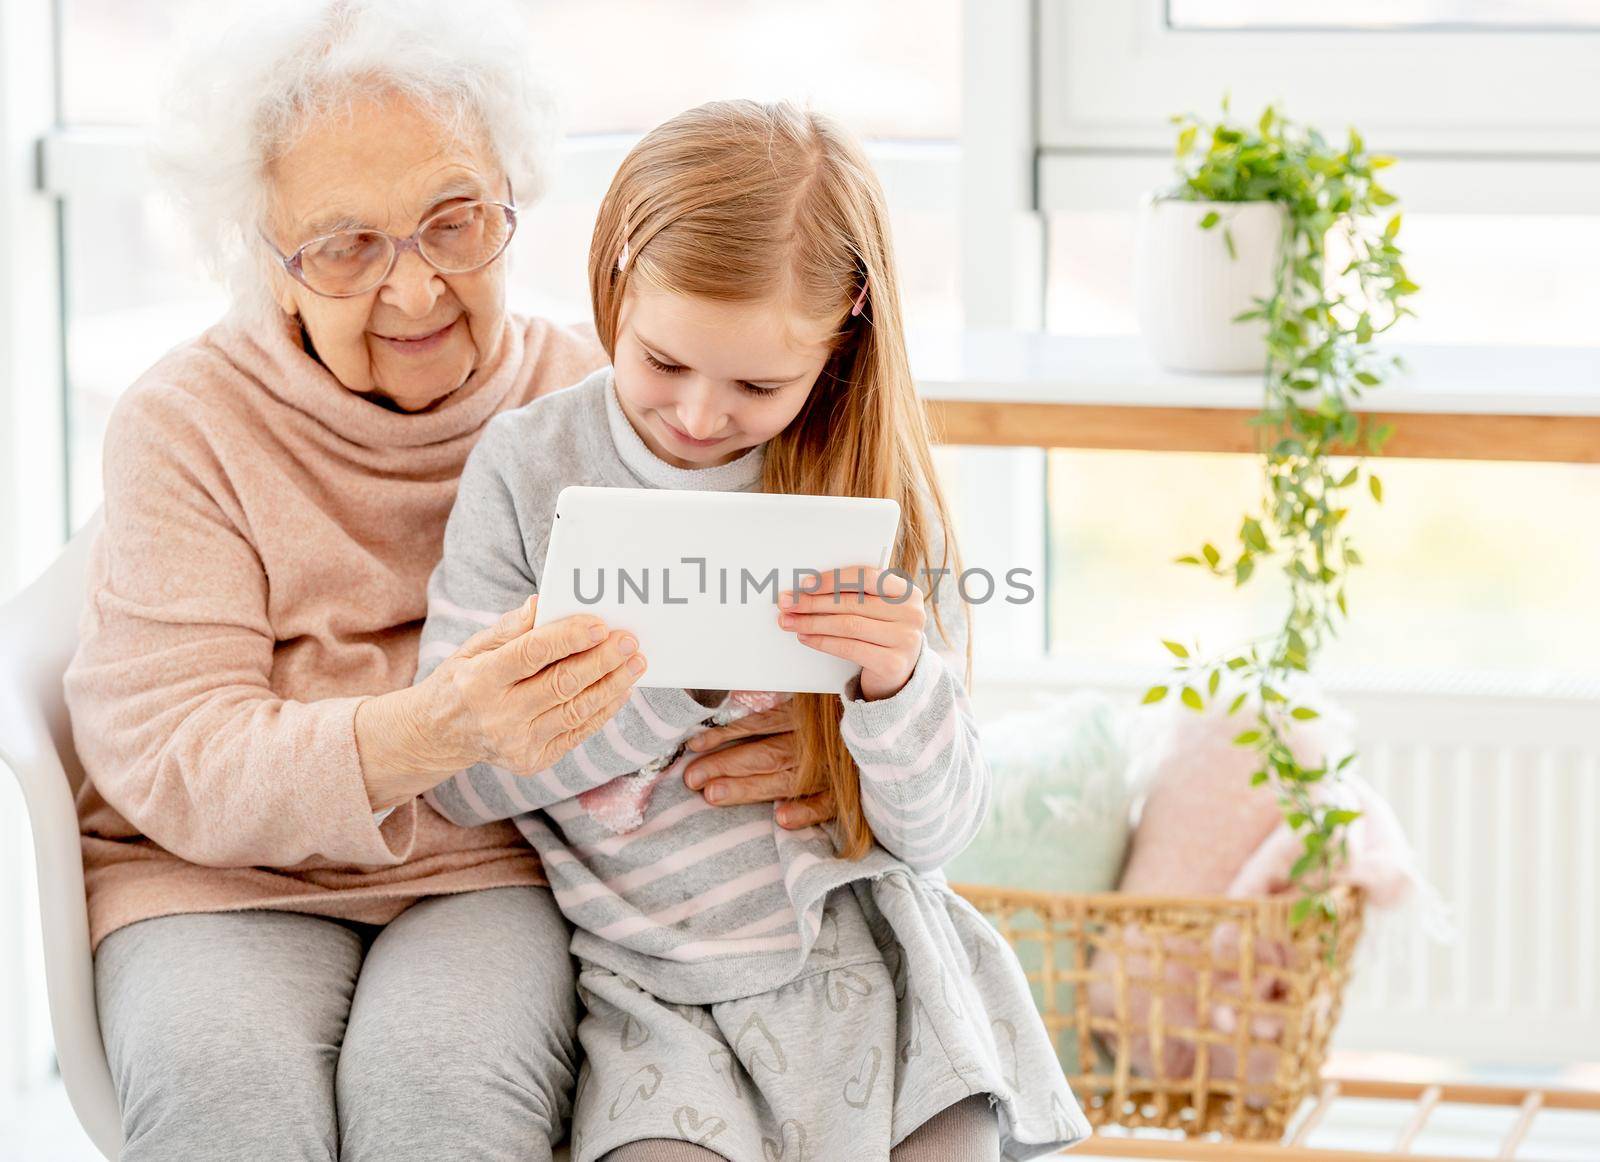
pixel 738 201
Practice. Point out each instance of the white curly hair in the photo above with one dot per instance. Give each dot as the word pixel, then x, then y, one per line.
pixel 244 90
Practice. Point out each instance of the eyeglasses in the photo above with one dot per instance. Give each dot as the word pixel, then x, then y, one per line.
pixel 456 240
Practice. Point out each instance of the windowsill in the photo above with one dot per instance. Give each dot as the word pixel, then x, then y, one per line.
pixel 1031 390
pixel 1036 368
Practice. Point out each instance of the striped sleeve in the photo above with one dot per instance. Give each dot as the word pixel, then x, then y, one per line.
pixel 483 573
pixel 924 782
pixel 637 734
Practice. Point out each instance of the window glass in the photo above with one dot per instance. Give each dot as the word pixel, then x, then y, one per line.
pixel 1523 280
pixel 619 66
pixel 1469 565
pixel 1381 15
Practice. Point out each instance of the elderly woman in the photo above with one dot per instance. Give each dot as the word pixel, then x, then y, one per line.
pixel 297 958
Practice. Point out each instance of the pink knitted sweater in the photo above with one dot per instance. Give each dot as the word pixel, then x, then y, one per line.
pixel 263 569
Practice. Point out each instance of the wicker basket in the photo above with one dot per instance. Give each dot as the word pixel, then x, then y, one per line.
pixel 1156 961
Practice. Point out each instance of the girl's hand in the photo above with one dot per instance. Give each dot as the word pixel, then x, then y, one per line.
pixel 869 616
pixel 760 767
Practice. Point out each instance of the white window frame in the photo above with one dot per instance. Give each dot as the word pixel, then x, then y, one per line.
pixel 1001 505
pixel 33 482
pixel 32 426
pixel 1486 120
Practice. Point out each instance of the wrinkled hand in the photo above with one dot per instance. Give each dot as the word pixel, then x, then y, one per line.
pixel 759 767
pixel 521 698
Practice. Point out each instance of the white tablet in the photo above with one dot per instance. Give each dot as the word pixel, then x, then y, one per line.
pixel 696 577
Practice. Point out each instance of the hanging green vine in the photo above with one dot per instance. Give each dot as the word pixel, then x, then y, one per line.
pixel 1321 320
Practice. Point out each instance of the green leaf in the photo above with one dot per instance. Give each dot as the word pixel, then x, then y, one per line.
pixel 1301 909
pixel 1247 738
pixel 1211 554
pixel 1233 707
pixel 1375 486
pixel 1304 713
pixel 1210 220
pixel 1176 649
pixel 1391 229
pixel 1191 698
pixel 1154 694
pixel 1216 680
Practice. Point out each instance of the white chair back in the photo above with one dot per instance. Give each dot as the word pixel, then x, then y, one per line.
pixel 38 635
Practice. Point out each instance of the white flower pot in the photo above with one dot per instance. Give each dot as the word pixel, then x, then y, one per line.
pixel 1189 288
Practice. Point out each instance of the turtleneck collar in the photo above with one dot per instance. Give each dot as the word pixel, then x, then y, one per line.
pixel 741 475
pixel 272 353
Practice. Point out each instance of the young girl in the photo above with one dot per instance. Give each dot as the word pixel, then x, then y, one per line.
pixel 753 992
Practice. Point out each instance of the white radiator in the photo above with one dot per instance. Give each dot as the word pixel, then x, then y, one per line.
pixel 1501 797
pixel 1497 782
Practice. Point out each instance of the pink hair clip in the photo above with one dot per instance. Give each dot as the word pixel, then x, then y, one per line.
pixel 861 299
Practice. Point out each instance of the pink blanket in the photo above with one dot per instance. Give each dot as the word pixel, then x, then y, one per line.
pixel 620 804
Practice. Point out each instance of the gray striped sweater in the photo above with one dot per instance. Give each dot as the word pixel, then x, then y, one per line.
pixel 698 904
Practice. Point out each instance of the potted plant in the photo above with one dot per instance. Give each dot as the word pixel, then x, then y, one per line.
pixel 1338 282
pixel 1193 282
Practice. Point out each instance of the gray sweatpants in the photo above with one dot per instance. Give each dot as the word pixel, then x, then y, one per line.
pixel 258 1035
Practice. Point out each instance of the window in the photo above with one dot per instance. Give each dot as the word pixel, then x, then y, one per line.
pixel 1501 228
pixel 1487 279
pixel 134 289
pixel 1469 566
pixel 1111 71
pixel 618 66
